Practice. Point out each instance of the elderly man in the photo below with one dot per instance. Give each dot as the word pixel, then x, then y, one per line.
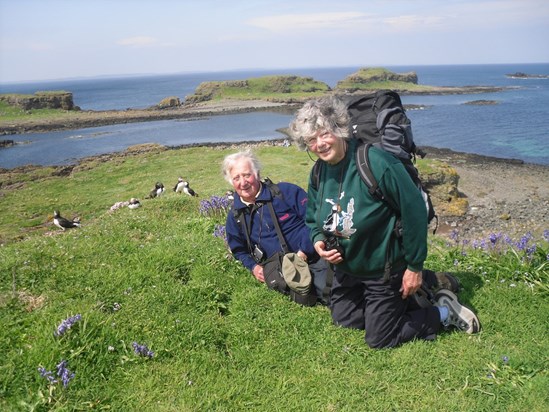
pixel 252 232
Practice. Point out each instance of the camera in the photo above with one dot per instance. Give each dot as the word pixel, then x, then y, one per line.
pixel 331 242
pixel 258 254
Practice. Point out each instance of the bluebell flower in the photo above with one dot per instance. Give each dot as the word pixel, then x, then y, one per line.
pixel 220 231
pixel 505 359
pixel 142 350
pixel 62 372
pixel 65 374
pixel 48 375
pixel 215 205
pixel 67 324
pixel 546 235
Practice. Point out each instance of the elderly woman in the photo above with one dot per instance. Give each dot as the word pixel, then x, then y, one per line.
pixel 251 231
pixel 353 230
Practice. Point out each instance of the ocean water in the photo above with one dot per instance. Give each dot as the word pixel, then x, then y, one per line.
pixel 517 127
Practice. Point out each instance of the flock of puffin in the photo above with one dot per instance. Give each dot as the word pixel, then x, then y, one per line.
pixel 182 186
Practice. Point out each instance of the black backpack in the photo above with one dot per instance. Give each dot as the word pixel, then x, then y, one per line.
pixel 379 119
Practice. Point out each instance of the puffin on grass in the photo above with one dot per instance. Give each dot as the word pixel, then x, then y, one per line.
pixel 63 223
pixel 178 188
pixel 157 190
pixel 134 203
pixel 187 190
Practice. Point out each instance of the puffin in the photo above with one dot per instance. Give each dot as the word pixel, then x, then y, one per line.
pixel 157 191
pixel 178 188
pixel 229 194
pixel 134 203
pixel 63 223
pixel 187 190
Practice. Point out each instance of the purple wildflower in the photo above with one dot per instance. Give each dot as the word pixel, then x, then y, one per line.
pixel 215 205
pixel 47 374
pixel 546 235
pixel 505 359
pixel 494 238
pixel 142 350
pixel 523 242
pixel 67 324
pixel 220 232
pixel 454 235
pixel 62 372
pixel 65 374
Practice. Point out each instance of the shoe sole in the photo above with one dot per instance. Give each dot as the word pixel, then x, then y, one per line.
pixel 460 316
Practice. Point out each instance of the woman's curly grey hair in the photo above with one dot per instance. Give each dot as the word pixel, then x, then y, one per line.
pixel 232 159
pixel 325 113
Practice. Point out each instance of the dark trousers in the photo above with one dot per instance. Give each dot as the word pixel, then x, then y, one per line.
pixel 377 306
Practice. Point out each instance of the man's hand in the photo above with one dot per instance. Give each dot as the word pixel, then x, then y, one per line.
pixel 258 273
pixel 411 282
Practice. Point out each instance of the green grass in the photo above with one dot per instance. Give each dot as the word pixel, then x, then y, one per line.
pixel 9 113
pixel 221 341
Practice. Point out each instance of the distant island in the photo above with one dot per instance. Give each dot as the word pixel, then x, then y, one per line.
pixel 520 75
pixel 49 111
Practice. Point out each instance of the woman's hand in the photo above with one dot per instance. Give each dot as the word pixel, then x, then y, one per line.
pixel 332 256
pixel 411 282
pixel 258 273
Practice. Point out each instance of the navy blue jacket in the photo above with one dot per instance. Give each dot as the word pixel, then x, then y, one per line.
pixel 290 208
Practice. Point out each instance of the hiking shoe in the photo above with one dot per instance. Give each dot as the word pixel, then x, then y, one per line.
pixel 459 316
pixel 447 281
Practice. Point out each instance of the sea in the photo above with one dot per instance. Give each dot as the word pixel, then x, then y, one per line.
pixel 515 127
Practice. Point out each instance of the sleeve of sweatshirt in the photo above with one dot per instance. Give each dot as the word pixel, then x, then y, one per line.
pixel 237 243
pixel 402 190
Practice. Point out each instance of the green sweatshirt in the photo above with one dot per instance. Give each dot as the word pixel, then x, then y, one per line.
pixel 342 205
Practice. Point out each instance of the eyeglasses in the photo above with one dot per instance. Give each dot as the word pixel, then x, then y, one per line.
pixel 312 142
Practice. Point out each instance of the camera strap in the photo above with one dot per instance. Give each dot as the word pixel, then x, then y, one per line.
pixel 277 228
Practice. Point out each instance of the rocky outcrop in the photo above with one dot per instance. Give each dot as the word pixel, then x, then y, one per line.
pixel 481 102
pixel 169 103
pixel 271 88
pixel 521 75
pixel 441 181
pixel 370 76
pixel 41 100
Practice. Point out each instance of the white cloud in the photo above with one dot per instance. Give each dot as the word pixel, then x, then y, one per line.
pixel 290 22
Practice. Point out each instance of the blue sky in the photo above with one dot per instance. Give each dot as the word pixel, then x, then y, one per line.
pixel 56 39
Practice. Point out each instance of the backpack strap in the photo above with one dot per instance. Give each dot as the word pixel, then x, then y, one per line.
pixel 363 166
pixel 315 174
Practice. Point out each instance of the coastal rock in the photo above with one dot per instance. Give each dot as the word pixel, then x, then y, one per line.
pixel 481 103
pixel 169 102
pixel 41 100
pixel 441 181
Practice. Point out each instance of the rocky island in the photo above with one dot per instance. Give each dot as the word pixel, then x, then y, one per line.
pixel 521 75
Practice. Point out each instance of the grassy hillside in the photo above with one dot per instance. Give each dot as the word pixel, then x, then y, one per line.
pixel 162 320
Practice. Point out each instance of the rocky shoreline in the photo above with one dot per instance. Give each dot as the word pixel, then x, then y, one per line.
pixel 505 196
